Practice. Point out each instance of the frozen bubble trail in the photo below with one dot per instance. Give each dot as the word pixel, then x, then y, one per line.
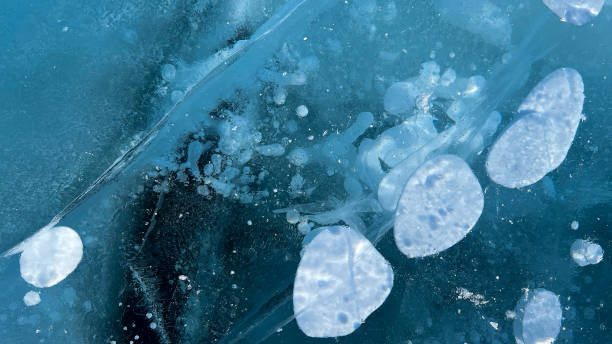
pixel 538 141
pixel 440 204
pixel 538 317
pixel 340 281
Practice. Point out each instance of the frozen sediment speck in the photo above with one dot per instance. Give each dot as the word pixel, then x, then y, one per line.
pixel 538 317
pixel 31 298
pixel 50 255
pixel 577 12
pixel 440 204
pixel 340 281
pixel 586 253
pixel 538 141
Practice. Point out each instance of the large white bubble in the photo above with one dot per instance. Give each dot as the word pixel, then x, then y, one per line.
pixel 50 256
pixel 340 281
pixel 440 204
pixel 538 141
pixel 538 317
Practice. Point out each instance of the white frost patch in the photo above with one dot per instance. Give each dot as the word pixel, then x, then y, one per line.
pixel 577 12
pixel 340 281
pixel 538 317
pixel 50 255
pixel 31 298
pixel 586 253
pixel 539 140
pixel 476 299
pixel 439 206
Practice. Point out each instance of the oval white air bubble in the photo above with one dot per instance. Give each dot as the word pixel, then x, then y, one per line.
pixel 50 255
pixel 340 281
pixel 440 204
pixel 31 298
pixel 577 12
pixel 538 141
pixel 538 317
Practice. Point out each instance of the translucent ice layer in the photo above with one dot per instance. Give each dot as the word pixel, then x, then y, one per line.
pixel 538 317
pixel 340 281
pixel 577 12
pixel 439 206
pixel 538 141
pixel 480 17
pixel 585 252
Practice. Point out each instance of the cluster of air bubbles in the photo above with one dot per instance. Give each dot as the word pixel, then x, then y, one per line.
pixel 406 175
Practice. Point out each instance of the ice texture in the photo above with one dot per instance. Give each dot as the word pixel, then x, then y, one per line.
pixel 400 97
pixel 480 17
pixel 182 242
pixel 538 141
pixel 439 206
pixel 538 317
pixel 585 252
pixel 49 256
pixel 577 12
pixel 340 281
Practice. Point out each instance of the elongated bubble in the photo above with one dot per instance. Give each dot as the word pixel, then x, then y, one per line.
pixel 538 141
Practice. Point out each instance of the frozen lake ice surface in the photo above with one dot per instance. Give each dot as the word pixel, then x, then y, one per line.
pixel 302 171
